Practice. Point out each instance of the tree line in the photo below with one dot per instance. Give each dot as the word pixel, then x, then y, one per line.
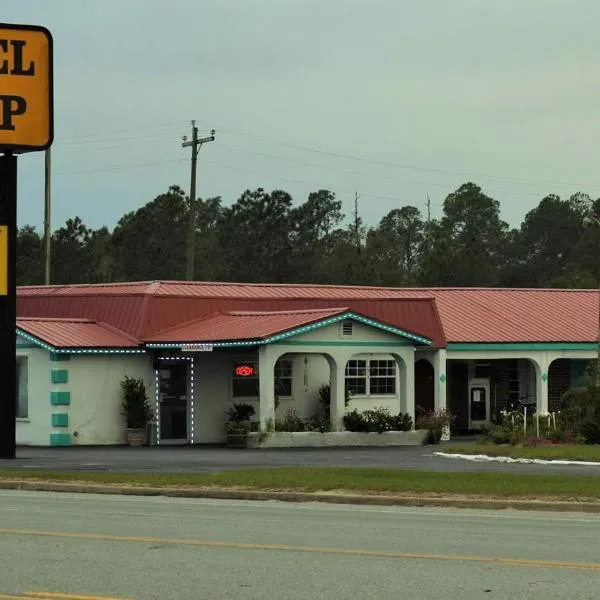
pixel 264 237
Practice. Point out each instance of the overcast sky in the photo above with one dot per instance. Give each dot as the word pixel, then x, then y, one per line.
pixel 394 99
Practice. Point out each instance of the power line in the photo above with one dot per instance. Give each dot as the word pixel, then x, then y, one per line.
pixel 122 168
pixel 462 173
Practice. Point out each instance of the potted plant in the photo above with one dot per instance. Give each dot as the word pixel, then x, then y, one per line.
pixel 238 425
pixel 136 410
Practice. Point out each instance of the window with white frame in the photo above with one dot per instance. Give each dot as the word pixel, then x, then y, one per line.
pixel 371 377
pixel 246 379
pixel 283 378
pixel 22 387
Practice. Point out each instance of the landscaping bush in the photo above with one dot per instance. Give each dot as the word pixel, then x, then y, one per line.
pixel 590 431
pixel 377 420
pixel 240 412
pixel 435 421
pixel 291 422
pixel 355 421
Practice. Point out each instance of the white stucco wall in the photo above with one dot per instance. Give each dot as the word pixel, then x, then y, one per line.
pixel 94 382
pixel 35 429
pixel 310 370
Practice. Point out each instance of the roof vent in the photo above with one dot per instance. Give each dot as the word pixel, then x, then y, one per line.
pixel 347 328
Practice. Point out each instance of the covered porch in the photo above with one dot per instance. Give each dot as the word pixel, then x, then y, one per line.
pixel 486 379
pixel 277 361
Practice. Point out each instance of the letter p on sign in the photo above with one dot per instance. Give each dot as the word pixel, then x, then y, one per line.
pixel 26 103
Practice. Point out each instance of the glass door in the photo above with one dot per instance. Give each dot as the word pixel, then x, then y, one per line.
pixel 479 403
pixel 173 402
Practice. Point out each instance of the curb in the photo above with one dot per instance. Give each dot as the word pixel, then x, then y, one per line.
pixel 363 500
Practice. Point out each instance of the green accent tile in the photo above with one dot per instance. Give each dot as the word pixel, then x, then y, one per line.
pixel 60 439
pixel 60 398
pixel 59 357
pixel 60 420
pixel 59 376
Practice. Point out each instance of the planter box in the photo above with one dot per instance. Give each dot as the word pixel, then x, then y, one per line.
pixel 314 439
pixel 237 440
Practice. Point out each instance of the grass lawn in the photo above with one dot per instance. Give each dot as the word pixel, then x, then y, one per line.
pixel 361 480
pixel 589 453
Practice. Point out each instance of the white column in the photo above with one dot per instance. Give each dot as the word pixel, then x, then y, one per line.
pixel 337 407
pixel 439 379
pixel 439 387
pixel 542 369
pixel 407 383
pixel 266 386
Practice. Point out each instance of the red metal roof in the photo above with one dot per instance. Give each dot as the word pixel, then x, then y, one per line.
pixel 75 333
pixel 242 325
pixel 515 315
pixel 143 309
pixel 462 314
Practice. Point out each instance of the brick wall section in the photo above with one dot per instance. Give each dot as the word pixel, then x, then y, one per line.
pixel 559 381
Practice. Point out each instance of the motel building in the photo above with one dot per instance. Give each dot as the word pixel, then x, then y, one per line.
pixel 201 347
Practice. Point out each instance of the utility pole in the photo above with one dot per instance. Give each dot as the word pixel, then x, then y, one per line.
pixel 196 144
pixel 47 217
pixel 356 222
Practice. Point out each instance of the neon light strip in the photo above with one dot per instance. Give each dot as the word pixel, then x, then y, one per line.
pixel 56 350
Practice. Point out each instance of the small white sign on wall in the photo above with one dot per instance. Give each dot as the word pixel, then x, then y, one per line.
pixel 196 347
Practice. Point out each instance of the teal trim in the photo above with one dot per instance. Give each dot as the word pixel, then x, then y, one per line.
pixel 354 317
pixel 26 345
pixel 60 439
pixel 60 398
pixel 465 347
pixel 59 376
pixel 60 420
pixel 345 344
pixel 41 344
pixel 411 337
pixel 55 357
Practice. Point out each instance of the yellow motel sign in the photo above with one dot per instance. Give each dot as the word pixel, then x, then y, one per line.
pixel 26 103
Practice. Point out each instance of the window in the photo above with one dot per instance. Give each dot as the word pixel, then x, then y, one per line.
pixel 382 377
pixel 246 379
pixel 371 377
pixel 283 378
pixel 22 387
pixel 356 377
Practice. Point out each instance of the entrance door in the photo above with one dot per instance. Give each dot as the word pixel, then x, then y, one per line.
pixel 173 402
pixel 479 403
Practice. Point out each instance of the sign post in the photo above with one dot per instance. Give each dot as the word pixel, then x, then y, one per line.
pixel 26 125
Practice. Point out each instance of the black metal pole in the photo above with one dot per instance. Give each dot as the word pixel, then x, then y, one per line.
pixel 8 307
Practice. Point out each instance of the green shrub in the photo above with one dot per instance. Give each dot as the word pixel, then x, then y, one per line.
pixel 355 421
pixel 240 412
pixel 377 420
pixel 590 431
pixel 291 422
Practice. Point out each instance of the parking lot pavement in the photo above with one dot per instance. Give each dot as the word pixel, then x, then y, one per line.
pixel 191 459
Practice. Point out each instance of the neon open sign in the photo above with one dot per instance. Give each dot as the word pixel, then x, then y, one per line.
pixel 245 371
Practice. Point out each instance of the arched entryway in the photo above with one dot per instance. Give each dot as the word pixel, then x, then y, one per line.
pixel 424 386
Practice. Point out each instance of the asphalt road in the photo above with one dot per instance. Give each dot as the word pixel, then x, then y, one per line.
pixel 159 548
pixel 202 459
